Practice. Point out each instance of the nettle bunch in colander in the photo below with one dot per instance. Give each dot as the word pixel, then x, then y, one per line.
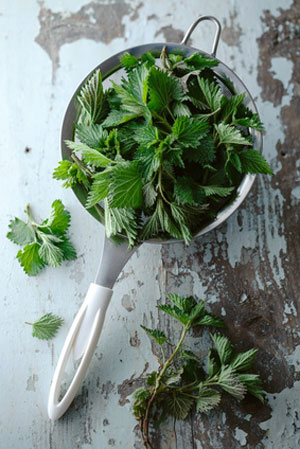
pixel 164 150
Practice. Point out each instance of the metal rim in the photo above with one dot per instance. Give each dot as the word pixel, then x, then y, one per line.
pixel 111 65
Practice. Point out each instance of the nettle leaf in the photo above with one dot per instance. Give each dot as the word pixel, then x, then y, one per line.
pixel 253 384
pixel 199 61
pixel 203 153
pixel 213 363
pixel 151 227
pixel 46 327
pixel 121 220
pixel 116 118
pixel 250 122
pixel 151 379
pixel 212 93
pixel 147 135
pixel 208 398
pixel 244 360
pixel 91 96
pixel 210 320
pixel 217 190
pixel 49 251
pixel 59 220
pixel 89 155
pixel 186 304
pixel 189 131
pixel 230 382
pixel 69 252
pixel 30 259
pixel 181 110
pixel 230 106
pixel 158 336
pixel 71 173
pixel 230 135
pixel 20 232
pixel 129 61
pixel 188 355
pixel 126 186
pixel 187 191
pixel 92 135
pixel 163 88
pixel 149 194
pixel 180 218
pixel 178 405
pixel 253 162
pixel 175 313
pixel 99 189
pixel 223 347
pixel 173 376
pixel 148 162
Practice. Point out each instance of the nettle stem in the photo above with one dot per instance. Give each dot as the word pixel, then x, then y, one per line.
pixel 144 423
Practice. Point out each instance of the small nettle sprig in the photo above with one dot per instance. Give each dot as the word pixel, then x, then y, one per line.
pixel 45 243
pixel 160 153
pixel 183 382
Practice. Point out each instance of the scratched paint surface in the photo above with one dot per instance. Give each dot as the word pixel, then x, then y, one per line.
pixel 246 270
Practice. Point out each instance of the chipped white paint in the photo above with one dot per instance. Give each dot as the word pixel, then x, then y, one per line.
pixel 283 428
pixel 241 436
pixel 32 110
pixel 289 309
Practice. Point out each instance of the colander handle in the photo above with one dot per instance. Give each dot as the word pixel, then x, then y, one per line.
pixel 194 25
pixel 89 320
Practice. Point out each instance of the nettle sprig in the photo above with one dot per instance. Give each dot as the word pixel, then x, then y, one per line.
pixel 161 153
pixel 182 381
pixel 45 243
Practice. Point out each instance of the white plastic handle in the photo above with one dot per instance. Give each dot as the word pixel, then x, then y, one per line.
pixel 82 337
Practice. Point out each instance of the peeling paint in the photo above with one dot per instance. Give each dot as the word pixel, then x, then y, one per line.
pixel 232 32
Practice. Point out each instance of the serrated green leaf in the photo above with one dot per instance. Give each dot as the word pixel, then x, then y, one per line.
pixel 223 347
pixel 203 153
pixel 178 405
pixel 230 382
pixel 199 61
pixel 129 61
pixel 230 106
pixel 230 135
pixel 188 131
pixel 217 190
pixel 186 191
pixel 151 379
pixel 210 320
pixel 149 194
pixel 253 384
pixel 253 162
pixel 212 93
pixel 186 304
pixel 89 155
pixel 244 360
pixel 116 118
pixel 20 232
pixel 30 259
pixel 180 218
pixel 121 220
pixel 163 88
pixel 173 376
pixel 250 122
pixel 91 96
pixel 213 362
pixel 92 135
pixel 181 110
pixel 99 189
pixel 59 220
pixel 147 135
pixel 69 252
pixel 175 313
pixel 126 186
pixel 188 355
pixel 208 398
pixel 46 327
pixel 49 251
pixel 158 336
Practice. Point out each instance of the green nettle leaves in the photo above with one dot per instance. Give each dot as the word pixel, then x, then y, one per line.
pixel 161 152
pixel 46 327
pixel 45 243
pixel 181 382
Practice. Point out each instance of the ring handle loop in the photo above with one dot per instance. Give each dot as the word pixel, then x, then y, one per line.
pixel 194 25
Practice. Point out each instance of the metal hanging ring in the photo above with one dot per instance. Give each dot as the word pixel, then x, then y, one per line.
pixel 194 25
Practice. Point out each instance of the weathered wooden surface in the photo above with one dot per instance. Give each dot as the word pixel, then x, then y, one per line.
pixel 246 270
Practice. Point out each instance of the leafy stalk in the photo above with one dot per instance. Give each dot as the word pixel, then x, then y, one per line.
pixel 180 382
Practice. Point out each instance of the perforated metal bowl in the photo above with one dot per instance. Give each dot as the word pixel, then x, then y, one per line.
pixel 111 69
